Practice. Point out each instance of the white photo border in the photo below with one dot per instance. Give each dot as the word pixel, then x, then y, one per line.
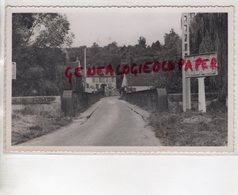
pixel 229 149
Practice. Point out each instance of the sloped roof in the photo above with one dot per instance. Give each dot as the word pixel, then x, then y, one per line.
pixel 145 79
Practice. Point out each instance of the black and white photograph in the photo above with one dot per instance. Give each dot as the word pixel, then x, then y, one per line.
pixel 107 77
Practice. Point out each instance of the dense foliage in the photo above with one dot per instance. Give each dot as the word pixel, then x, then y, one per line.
pixel 37 40
pixel 209 33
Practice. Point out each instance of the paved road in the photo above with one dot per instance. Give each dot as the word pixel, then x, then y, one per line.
pixel 113 122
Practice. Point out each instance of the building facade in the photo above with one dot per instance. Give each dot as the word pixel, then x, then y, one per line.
pixel 107 84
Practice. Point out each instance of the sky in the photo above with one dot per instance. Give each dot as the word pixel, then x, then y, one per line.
pixel 123 26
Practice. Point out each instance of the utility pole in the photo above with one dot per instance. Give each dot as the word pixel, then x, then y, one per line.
pixel 85 61
pixel 186 82
pixel 85 69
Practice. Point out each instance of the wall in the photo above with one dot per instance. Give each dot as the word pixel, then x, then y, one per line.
pixel 83 100
pixel 157 100
pixel 138 88
pixel 152 100
pixel 38 104
pixel 74 103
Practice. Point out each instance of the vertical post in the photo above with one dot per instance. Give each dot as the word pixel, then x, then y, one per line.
pixel 188 93
pixel 85 61
pixel 85 69
pixel 77 82
pixel 14 71
pixel 185 52
pixel 201 95
pixel 184 86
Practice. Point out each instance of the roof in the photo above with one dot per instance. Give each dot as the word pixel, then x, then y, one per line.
pixel 149 79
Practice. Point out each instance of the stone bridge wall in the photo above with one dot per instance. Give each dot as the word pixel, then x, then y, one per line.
pixel 38 104
pixel 154 100
pixel 157 100
pixel 74 103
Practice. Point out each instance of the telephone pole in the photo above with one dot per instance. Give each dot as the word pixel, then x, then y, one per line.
pixel 186 82
pixel 85 68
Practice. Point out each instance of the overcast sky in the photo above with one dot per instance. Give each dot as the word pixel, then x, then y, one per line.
pixel 124 27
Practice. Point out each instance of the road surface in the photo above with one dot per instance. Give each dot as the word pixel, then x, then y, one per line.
pixel 109 122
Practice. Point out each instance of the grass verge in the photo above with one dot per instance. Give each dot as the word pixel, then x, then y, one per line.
pixel 27 125
pixel 190 128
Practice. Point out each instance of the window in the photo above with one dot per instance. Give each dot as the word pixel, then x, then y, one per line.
pixel 93 79
pixel 185 28
pixel 185 19
pixel 186 38
pixel 186 47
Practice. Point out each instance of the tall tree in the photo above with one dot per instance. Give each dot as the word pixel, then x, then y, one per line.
pixel 171 50
pixel 95 48
pixel 156 45
pixel 209 33
pixel 142 42
pixel 41 29
pixel 36 41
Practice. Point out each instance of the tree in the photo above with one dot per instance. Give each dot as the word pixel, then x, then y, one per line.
pixel 171 50
pixel 37 42
pixel 95 48
pixel 112 47
pixel 171 40
pixel 21 29
pixel 156 45
pixel 34 66
pixel 41 30
pixel 209 33
pixel 56 32
pixel 142 42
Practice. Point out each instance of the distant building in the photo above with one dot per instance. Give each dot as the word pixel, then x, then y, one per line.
pixel 104 83
pixel 140 82
pixel 91 84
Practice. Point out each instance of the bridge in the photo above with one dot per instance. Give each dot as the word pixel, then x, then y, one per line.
pixel 108 122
